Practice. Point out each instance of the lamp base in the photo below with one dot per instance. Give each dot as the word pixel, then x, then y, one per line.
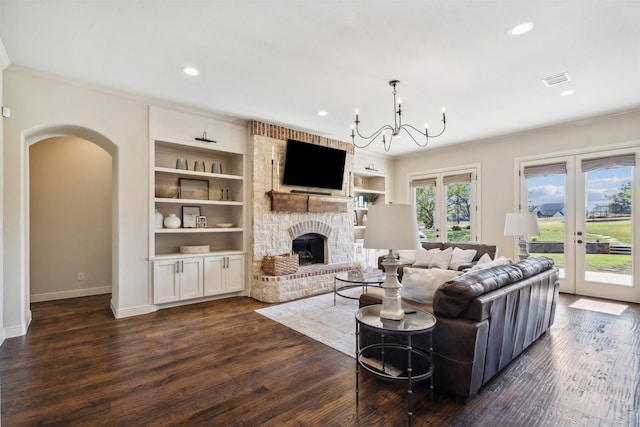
pixel 523 246
pixel 391 302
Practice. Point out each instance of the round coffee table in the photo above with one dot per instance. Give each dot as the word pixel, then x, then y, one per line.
pixel 350 281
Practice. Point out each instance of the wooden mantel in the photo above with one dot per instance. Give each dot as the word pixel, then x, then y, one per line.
pixel 304 202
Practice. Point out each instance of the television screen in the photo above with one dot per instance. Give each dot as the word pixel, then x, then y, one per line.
pixel 311 165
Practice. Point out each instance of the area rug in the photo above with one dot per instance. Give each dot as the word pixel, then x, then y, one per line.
pixel 318 318
pixel 599 306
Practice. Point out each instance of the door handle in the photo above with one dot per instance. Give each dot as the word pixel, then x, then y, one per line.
pixel 579 241
pixel 579 233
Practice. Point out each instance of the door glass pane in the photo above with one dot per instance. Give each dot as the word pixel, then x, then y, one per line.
pixel 458 212
pixel 608 225
pixel 546 198
pixel 426 213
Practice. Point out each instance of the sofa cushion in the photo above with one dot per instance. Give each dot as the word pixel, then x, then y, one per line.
pixel 419 284
pixel 453 298
pixel 533 266
pixel 461 256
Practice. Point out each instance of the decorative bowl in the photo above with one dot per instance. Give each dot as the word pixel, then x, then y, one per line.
pixel 167 191
pixel 225 225
pixel 193 249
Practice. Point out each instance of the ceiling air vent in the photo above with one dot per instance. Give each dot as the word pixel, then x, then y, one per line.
pixel 556 79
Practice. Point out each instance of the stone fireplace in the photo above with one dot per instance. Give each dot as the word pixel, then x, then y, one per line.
pixel 275 232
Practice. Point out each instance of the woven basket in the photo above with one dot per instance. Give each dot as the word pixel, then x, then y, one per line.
pixel 279 265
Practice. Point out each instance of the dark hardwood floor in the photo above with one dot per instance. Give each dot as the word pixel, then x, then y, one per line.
pixel 222 364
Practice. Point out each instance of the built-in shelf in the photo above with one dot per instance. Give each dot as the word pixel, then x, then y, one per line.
pixel 222 269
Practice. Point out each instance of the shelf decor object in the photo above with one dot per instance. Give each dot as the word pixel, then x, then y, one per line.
pixel 172 221
pixel 189 216
pixel 391 227
pixel 396 128
pixel 196 189
pixel 522 224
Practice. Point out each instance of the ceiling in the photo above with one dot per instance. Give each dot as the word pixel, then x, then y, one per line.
pixel 282 61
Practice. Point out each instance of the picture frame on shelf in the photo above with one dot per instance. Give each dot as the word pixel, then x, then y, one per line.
pixel 195 189
pixel 201 221
pixel 189 216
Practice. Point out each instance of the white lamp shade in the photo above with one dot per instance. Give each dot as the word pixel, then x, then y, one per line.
pixel 521 224
pixel 391 227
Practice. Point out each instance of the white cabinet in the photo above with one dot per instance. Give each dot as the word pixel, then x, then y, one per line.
pixel 224 274
pixel 177 280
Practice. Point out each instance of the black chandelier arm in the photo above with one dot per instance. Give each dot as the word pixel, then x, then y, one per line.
pixel 375 134
pixel 444 127
pixel 426 139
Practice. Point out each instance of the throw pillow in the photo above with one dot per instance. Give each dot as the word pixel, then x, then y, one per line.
pixel 407 256
pixel 441 259
pixel 419 284
pixel 493 263
pixel 423 257
pixel 485 258
pixel 461 256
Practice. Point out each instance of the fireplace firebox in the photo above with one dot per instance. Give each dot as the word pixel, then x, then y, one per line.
pixel 310 248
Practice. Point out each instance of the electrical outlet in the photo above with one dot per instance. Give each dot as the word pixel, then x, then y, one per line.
pixel 80 276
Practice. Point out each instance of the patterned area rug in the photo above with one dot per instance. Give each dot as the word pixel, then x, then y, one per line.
pixel 318 318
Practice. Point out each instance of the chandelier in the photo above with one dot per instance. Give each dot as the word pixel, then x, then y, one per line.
pixel 396 128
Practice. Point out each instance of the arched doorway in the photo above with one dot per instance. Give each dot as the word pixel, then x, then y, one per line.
pixel 70 219
pixel 44 133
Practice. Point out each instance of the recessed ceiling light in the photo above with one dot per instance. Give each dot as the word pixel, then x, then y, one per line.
pixel 323 113
pixel 567 92
pixel 521 29
pixel 190 71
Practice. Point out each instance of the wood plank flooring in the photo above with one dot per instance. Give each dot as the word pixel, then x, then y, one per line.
pixel 222 364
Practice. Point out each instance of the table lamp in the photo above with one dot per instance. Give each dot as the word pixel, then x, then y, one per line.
pixel 521 224
pixel 391 227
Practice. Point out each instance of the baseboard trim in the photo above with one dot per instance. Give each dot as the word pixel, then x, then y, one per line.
pixel 132 311
pixel 75 293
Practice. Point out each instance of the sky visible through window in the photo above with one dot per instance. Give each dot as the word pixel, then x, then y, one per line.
pixel 601 183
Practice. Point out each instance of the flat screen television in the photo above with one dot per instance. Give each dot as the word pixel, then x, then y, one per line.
pixel 311 165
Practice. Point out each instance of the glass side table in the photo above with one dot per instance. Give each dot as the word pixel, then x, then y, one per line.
pixel 348 281
pixel 395 337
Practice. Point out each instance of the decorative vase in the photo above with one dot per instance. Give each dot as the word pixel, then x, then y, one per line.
pixel 364 219
pixel 172 221
pixel 158 218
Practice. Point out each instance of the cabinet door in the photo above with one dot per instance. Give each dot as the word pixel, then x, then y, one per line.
pixel 166 282
pixel 235 273
pixel 213 275
pixel 191 278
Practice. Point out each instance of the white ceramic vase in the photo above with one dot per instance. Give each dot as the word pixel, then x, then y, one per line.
pixel 158 219
pixel 172 221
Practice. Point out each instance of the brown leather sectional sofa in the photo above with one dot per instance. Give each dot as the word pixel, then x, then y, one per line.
pixel 485 319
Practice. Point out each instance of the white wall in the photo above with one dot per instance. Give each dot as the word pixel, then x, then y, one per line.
pixel 497 158
pixel 43 107
pixel 4 62
pixel 70 219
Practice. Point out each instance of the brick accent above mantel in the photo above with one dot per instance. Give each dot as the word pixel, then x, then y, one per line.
pixel 302 202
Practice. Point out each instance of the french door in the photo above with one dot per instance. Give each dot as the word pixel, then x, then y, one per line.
pixel 446 205
pixel 587 212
